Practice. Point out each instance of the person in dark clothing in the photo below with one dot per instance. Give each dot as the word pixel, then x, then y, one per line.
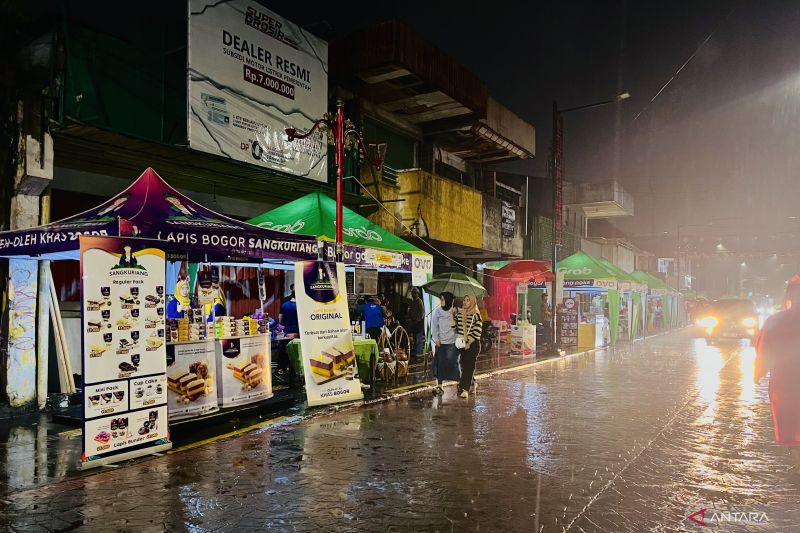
pixel 291 328
pixel 416 321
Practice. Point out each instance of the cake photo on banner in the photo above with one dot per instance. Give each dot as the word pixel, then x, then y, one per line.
pixel 326 340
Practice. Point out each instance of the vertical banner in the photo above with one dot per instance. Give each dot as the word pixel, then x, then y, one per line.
pixel 326 339
pixel 569 322
pixel 124 351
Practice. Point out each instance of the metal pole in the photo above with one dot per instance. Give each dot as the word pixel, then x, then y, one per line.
pixel 678 257
pixel 339 146
pixel 556 173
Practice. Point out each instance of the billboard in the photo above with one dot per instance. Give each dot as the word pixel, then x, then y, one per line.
pixel 251 75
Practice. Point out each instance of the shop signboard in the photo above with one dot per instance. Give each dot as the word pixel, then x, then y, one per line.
pixel 326 336
pixel 124 353
pixel 244 373
pixel 508 220
pixel 191 379
pixel 251 75
pixel 569 322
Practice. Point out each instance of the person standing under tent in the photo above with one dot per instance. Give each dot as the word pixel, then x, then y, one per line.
pixel 373 318
pixel 445 358
pixel 468 326
pixel 416 320
pixel 291 329
pixel 777 355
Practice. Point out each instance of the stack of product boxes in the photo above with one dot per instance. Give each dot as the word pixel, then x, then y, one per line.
pixel 191 328
pixel 224 326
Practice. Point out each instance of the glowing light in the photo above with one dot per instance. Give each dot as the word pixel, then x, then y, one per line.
pixel 709 323
pixel 749 322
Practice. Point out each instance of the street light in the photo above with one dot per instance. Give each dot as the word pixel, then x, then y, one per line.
pixel 556 158
pixel 341 133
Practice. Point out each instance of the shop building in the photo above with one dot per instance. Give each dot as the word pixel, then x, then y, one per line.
pixel 444 132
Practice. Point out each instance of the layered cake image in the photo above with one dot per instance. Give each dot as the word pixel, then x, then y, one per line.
pixel 333 362
pixel 248 373
pixel 191 385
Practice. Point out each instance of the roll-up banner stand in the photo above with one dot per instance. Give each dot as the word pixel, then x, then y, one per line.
pixel 123 350
pixel 325 333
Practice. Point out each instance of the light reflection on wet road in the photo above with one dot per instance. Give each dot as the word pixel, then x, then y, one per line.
pixel 629 440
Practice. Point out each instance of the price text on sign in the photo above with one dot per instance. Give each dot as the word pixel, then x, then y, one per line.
pixel 264 80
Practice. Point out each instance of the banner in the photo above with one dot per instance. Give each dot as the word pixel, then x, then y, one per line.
pixel 569 322
pixel 326 339
pixel 244 373
pixel 124 351
pixel 191 379
pixel 252 74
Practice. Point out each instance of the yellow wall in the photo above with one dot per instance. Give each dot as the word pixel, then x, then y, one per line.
pixel 453 212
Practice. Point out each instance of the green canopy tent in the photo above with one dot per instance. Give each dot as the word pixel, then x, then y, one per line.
pixel 627 283
pixel 659 288
pixel 583 273
pixel 366 243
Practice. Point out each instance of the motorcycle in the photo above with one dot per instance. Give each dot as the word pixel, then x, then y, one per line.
pixel 489 336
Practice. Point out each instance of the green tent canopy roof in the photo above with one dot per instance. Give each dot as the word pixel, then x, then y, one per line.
pixel 315 214
pixel 651 281
pixel 581 265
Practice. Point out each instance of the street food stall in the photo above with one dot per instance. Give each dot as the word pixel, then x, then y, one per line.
pixel 514 295
pixel 589 313
pixel 376 261
pixel 631 317
pixel 134 356
pixel 662 303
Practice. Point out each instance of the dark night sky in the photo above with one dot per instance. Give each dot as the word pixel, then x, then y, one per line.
pixel 714 153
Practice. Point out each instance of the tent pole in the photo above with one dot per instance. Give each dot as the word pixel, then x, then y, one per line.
pixel 43 333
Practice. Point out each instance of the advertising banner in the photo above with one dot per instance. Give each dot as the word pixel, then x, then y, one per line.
pixel 326 339
pixel 191 379
pixel 124 351
pixel 569 322
pixel 252 74
pixel 244 372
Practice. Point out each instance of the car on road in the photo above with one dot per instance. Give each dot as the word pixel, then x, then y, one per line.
pixel 730 319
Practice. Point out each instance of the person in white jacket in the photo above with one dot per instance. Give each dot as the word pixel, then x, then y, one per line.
pixel 446 358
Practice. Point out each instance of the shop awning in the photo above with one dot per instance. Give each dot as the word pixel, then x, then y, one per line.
pixel 150 208
pixel 583 270
pixel 626 281
pixel 366 243
pixel 655 285
pixel 525 270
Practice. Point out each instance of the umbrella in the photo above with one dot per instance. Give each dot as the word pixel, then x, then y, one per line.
pixel 458 284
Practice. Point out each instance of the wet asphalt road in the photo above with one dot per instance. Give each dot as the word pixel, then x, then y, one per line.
pixel 634 439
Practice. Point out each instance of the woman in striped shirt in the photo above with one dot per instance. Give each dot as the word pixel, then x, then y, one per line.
pixel 468 325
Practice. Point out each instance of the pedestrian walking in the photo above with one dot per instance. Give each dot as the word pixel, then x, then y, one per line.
pixel 416 321
pixel 468 326
pixel 778 353
pixel 446 365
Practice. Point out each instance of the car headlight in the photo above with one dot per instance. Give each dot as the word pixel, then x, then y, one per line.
pixel 749 322
pixel 709 322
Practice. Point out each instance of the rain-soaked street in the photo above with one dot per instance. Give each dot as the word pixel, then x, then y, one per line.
pixel 635 439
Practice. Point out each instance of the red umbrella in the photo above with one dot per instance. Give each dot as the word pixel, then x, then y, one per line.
pixel 525 270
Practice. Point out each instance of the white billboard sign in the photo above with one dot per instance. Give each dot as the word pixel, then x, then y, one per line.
pixel 251 75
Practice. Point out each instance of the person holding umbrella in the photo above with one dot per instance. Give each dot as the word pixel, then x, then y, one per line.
pixel 468 325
